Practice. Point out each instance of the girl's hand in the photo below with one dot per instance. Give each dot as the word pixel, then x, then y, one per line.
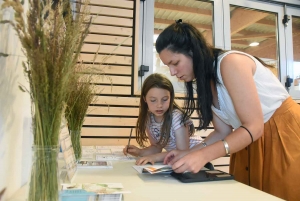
pixel 174 155
pixel 132 150
pixel 192 162
pixel 146 159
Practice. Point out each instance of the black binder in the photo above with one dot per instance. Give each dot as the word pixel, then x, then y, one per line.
pixel 202 175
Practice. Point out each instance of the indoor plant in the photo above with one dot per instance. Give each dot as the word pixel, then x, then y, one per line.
pixel 52 39
pixel 77 103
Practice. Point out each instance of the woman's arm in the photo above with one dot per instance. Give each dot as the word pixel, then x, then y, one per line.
pixel 221 130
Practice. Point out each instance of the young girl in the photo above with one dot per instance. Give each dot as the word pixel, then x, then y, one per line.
pixel 160 120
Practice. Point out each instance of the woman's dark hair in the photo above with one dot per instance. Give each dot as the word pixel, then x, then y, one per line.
pixel 162 82
pixel 186 39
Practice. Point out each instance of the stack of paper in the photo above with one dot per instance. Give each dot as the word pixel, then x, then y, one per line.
pixel 105 153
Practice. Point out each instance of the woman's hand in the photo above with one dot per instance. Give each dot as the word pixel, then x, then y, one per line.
pixel 132 150
pixel 192 162
pixel 174 155
pixel 146 159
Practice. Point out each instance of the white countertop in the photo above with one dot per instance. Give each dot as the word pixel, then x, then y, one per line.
pixel 163 187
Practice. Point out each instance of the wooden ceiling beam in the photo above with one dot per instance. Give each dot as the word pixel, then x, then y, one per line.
pixel 266 22
pixel 266 47
pixel 185 9
pixel 241 18
pixel 240 42
pixel 296 46
pixel 156 31
pixel 273 24
pixel 197 25
pixel 269 47
pixel 251 36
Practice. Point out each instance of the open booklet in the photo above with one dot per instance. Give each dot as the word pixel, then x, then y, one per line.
pixel 153 169
pixel 156 169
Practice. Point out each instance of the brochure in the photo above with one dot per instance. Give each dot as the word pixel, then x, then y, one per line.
pixel 153 169
pixel 94 164
pixel 93 191
pixel 159 169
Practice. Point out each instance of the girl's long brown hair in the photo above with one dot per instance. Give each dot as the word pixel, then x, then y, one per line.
pixel 156 81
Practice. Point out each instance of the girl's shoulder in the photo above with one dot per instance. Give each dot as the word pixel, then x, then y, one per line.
pixel 176 112
pixel 177 116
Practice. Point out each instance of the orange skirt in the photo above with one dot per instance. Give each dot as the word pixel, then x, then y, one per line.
pixel 272 163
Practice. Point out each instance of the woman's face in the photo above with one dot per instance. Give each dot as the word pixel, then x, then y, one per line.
pixel 180 65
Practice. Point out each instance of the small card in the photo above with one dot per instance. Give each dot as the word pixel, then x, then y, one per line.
pixel 94 164
pixel 102 191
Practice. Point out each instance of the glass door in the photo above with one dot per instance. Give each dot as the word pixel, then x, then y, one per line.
pixel 293 50
pixel 156 15
pixel 255 28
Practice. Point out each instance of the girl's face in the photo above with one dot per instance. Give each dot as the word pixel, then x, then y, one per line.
pixel 158 101
pixel 179 64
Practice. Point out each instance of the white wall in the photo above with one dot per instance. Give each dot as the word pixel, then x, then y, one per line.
pixel 15 115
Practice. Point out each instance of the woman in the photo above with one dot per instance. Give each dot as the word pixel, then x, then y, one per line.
pixel 254 118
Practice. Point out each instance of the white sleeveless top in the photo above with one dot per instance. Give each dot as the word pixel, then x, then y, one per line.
pixel 270 91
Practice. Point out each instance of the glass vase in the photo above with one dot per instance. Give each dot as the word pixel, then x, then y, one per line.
pixel 76 143
pixel 44 181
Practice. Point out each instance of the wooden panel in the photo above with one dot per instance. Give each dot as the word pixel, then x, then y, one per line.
pixel 113 21
pixel 113 121
pixel 223 168
pixel 221 161
pixel 109 121
pixel 122 70
pixel 121 111
pixel 106 49
pixel 113 3
pixel 107 100
pixel 130 101
pixel 102 29
pixel 121 60
pixel 116 40
pixel 104 79
pixel 89 131
pixel 113 90
pixel 106 142
pixel 118 12
pixel 107 69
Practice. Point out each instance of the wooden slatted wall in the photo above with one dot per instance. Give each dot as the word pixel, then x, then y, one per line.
pixel 113 113
pixel 115 110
